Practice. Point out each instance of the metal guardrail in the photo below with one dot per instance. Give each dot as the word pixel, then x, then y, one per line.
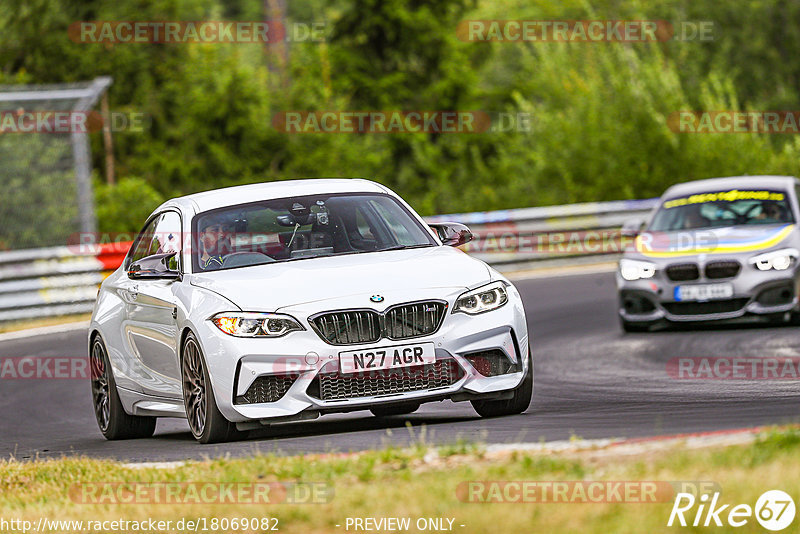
pixel 512 239
pixel 52 281
pixel 63 280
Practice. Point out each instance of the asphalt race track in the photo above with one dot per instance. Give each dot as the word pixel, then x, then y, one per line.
pixel 591 381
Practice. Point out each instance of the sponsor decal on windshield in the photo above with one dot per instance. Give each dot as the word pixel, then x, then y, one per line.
pixel 724 196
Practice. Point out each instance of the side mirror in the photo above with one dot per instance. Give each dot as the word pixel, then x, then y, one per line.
pixel 155 267
pixel 453 234
pixel 632 227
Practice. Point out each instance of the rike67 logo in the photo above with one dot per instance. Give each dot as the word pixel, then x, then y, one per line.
pixel 774 510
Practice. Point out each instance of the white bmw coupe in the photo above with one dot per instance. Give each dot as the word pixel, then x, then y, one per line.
pixel 269 303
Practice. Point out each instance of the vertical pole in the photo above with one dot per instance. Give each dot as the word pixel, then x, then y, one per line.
pixel 83 179
pixel 108 143
pixel 278 51
pixel 82 156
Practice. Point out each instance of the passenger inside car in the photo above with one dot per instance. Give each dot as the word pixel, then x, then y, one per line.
pixel 770 212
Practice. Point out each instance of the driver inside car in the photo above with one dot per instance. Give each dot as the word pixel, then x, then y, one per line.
pixel 214 242
pixel 693 219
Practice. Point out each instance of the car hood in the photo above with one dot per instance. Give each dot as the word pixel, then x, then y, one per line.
pixel 398 274
pixel 726 240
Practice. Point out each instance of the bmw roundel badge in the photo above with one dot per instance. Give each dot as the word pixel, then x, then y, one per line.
pixel 376 298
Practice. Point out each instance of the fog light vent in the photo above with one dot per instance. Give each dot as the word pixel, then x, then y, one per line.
pixel 492 362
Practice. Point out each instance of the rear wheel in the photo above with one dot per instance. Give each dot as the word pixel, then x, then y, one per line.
pixel 398 409
pixel 114 423
pixel 516 404
pixel 206 422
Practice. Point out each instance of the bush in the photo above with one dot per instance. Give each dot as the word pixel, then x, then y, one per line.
pixel 125 206
pixel 599 110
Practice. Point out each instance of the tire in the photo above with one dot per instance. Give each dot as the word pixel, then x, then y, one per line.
pixel 634 327
pixel 398 409
pixel 206 422
pixel 111 417
pixel 513 406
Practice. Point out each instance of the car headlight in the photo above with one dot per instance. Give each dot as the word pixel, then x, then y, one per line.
pixel 634 269
pixel 780 260
pixel 484 299
pixel 255 324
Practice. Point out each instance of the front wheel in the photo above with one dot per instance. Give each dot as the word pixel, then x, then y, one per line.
pixel 516 404
pixel 206 422
pixel 111 417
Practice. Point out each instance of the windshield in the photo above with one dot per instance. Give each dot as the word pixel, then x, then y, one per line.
pixel 722 208
pixel 303 227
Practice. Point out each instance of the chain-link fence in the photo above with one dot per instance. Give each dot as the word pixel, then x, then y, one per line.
pixel 45 172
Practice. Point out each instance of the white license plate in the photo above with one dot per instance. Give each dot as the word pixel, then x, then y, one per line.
pixel 353 361
pixel 704 292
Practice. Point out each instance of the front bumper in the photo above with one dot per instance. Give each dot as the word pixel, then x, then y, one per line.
pixel 755 293
pixel 235 364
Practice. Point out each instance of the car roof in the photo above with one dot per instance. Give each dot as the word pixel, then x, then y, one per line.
pixel 230 196
pixel 782 183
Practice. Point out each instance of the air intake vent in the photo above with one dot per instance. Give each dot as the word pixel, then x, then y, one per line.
pixel 723 269
pixel 339 386
pixel 682 272
pixel 267 388
pixel 492 362
pixel 705 308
